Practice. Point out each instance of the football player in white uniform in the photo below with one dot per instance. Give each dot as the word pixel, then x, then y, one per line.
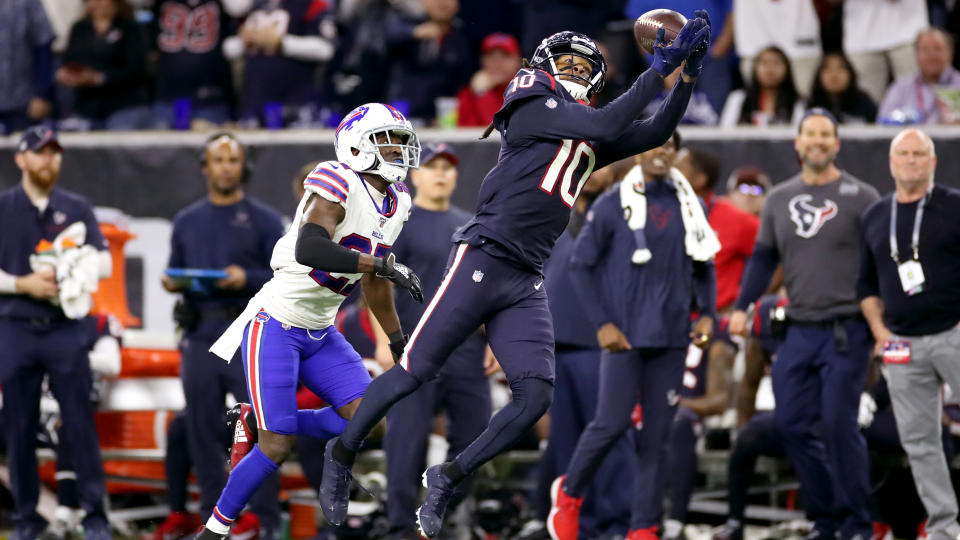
pixel 351 213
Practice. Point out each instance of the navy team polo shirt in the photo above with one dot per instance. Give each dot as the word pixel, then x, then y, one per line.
pixel 22 227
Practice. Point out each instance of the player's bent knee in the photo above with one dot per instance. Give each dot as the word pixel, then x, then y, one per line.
pixel 536 396
pixel 276 446
pixel 347 411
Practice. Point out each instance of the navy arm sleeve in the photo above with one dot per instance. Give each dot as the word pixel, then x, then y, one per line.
pixel 650 132
pixel 756 278
pixel 591 243
pixel 868 284
pixel 43 72
pixel 705 288
pixel 94 234
pixel 538 117
pixel 177 260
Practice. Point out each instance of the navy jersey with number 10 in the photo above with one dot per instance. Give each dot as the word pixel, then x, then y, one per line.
pixel 550 143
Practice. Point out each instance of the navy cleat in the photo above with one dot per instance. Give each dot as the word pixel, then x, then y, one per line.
pixel 440 490
pixel 334 492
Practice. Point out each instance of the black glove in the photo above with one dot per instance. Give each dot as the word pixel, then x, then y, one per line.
pixel 402 276
pixel 695 61
pixel 398 340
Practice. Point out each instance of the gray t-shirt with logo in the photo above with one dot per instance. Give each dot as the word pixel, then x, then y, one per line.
pixel 815 230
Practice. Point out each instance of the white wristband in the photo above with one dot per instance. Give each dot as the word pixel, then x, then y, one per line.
pixel 8 283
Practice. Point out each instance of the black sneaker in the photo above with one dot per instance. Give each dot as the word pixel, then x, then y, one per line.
pixel 207 534
pixel 439 491
pixel 334 492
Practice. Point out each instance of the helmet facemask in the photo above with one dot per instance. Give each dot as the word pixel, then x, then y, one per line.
pixel 555 47
pixel 393 136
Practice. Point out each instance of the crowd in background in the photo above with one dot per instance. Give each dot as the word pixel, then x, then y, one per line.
pixel 162 64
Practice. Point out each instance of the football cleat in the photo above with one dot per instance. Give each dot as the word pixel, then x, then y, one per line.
pixel 244 428
pixel 563 523
pixel 334 492
pixel 649 533
pixel 177 525
pixel 440 489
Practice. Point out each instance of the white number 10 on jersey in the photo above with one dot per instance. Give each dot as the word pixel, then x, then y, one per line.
pixel 563 167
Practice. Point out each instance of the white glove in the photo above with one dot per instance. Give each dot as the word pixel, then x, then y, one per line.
pixel 867 409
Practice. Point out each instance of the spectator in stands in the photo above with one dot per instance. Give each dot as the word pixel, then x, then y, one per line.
pixel 790 25
pixel 26 63
pixel 907 247
pixel 281 44
pixel 735 228
pixel 747 189
pixel 193 77
pixel 878 38
pixel 698 112
pixel 229 231
pixel 106 64
pixel 718 66
pixel 542 18
pixel 835 89
pixel 499 62
pixel 771 96
pixel 929 96
pixel 431 58
pixel 355 74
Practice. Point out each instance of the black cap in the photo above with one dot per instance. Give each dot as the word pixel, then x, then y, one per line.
pixel 819 111
pixel 432 150
pixel 36 137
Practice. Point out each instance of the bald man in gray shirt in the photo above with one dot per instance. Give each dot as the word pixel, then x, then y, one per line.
pixel 811 224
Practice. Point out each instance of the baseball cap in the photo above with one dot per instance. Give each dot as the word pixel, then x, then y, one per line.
pixel 820 111
pixel 36 137
pixel 432 150
pixel 502 41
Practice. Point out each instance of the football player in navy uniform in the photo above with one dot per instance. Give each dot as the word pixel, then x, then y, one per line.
pixel 551 140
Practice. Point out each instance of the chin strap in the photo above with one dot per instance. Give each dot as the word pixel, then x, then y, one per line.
pixel 577 90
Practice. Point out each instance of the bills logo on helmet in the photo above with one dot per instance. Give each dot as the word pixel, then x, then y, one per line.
pixel 809 218
pixel 355 116
pixel 396 114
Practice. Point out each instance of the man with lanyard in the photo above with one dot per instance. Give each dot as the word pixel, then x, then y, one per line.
pixel 807 223
pixel 40 340
pixel 231 231
pixel 911 299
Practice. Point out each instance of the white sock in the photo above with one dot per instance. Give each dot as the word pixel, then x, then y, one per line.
pixel 214 525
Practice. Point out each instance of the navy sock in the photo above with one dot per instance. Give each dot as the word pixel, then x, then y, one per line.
pixel 323 424
pixel 382 393
pixel 242 483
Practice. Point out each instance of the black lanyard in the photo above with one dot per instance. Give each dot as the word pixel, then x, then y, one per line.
pixel 915 238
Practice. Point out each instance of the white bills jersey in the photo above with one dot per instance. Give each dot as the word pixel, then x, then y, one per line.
pixel 309 298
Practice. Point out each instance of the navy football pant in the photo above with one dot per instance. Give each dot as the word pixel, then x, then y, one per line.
pixel 206 380
pixel 652 377
pixel 606 508
pixel 58 350
pixel 466 401
pixel 757 438
pixel 817 388
pixel 512 304
pixel 682 461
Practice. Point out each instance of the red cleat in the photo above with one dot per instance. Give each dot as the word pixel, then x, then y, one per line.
pixel 177 525
pixel 246 527
pixel 650 533
pixel 244 432
pixel 563 522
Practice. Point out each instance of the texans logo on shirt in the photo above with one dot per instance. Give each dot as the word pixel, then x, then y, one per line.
pixel 809 218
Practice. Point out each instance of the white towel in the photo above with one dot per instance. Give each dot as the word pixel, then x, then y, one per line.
pixel 700 241
pixel 227 344
pixel 77 268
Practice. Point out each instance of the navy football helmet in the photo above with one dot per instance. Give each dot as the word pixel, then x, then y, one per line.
pixel 568 43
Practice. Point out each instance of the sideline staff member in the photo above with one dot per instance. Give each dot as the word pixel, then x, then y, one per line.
pixel 38 339
pixel 228 230
pixel 910 295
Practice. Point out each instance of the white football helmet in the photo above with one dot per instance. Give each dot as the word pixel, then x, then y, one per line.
pixel 357 146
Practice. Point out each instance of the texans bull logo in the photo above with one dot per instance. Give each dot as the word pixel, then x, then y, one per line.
pixel 809 218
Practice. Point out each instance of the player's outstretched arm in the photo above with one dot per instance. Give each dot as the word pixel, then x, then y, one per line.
pixel 378 294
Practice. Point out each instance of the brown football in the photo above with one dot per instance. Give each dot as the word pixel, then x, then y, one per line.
pixel 646 26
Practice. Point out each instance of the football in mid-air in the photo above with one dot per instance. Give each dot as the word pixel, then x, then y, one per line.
pixel 646 26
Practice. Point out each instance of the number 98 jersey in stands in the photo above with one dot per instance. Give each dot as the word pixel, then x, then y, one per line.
pixel 550 143
pixel 309 298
